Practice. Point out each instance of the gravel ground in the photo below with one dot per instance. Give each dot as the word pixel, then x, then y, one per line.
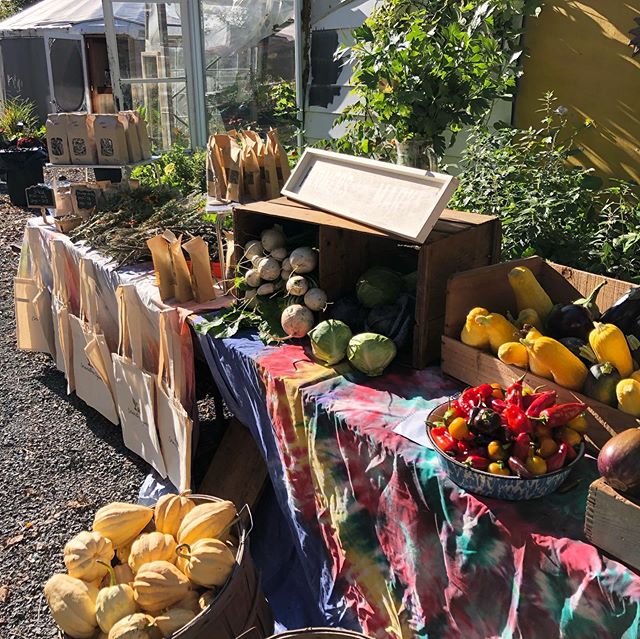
pixel 59 461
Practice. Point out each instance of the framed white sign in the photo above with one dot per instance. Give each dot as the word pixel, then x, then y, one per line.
pixel 399 200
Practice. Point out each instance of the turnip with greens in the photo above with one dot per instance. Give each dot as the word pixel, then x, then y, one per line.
pixel 297 285
pixel 255 259
pixel 279 254
pixel 268 269
pixel 315 299
pixel 303 260
pixel 267 289
pixel 297 320
pixel 252 278
pixel 272 239
pixel 252 249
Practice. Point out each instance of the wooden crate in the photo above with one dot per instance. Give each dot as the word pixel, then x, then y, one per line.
pixel 489 287
pixel 458 242
pixel 612 522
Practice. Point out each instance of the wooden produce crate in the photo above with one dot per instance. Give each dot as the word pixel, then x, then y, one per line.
pixel 459 241
pixel 489 288
pixel 612 522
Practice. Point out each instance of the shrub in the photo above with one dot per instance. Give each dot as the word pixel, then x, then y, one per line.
pixel 179 168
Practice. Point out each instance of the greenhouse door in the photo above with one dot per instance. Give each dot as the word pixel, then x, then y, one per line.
pixel 155 59
pixel 67 70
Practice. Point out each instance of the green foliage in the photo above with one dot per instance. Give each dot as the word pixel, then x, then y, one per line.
pixel 178 168
pixel 11 7
pixel 19 118
pixel 547 206
pixel 426 67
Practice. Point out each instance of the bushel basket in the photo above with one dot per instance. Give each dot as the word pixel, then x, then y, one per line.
pixel 308 633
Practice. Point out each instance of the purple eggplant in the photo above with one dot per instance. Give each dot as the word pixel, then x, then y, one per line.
pixel 575 319
pixel 625 313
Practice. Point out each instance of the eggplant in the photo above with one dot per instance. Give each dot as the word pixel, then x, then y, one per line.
pixel 484 420
pixel 575 319
pixel 619 462
pixel 580 349
pixel 625 313
pixel 601 383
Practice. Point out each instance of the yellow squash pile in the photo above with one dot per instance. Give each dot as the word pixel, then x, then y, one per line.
pixel 521 342
pixel 143 572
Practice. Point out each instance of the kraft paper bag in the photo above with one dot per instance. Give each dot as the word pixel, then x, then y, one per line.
pixel 162 265
pixel 282 162
pixel 34 320
pixel 271 183
pixel 111 140
pixel 234 174
pixel 216 172
pixel 181 275
pixel 174 424
pixel 92 368
pixel 57 142
pixel 135 389
pixel 82 144
pixel 201 278
pixel 251 174
pixel 60 312
pixel 128 119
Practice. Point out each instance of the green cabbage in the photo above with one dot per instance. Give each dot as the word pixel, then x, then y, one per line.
pixel 371 353
pixel 329 341
pixel 379 286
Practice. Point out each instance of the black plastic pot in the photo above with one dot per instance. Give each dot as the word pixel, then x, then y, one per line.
pixel 23 168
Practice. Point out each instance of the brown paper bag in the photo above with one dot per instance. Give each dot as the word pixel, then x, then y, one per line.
pixel 282 162
pixel 135 389
pixel 34 323
pixel 201 278
pixel 84 213
pixel 57 141
pixel 128 119
pixel 60 311
pixel 217 150
pixel 111 140
pixel 271 183
pixel 82 144
pixel 234 174
pixel 251 169
pixel 181 275
pixel 161 256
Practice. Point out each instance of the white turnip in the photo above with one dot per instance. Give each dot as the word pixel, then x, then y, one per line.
pixel 252 278
pixel 267 289
pixel 279 254
pixel 303 260
pixel 253 248
pixel 315 299
pixel 296 320
pixel 297 285
pixel 268 269
pixel 272 239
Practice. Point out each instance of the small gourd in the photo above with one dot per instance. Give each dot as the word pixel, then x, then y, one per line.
pixel 173 619
pixel 207 562
pixel 473 334
pixel 170 511
pixel 82 552
pixel 628 394
pixel 514 353
pixel 610 345
pixel 528 292
pixel 552 360
pixel 114 602
pixel 135 626
pixel 73 605
pixel 499 330
pixel 190 602
pixel 209 520
pixel 206 599
pixel 532 332
pixel 153 546
pixel 121 522
pixel 159 585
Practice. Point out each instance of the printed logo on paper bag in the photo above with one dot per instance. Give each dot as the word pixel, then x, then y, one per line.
pixel 248 178
pixel 234 177
pixel 57 147
pixel 79 146
pixel 106 147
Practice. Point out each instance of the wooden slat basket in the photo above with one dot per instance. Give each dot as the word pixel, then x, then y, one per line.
pixel 489 288
pixel 310 633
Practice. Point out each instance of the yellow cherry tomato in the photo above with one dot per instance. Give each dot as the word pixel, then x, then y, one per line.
pixel 570 436
pixel 498 392
pixel 458 428
pixel 543 431
pixel 547 447
pixel 536 465
pixel 579 424
pixel 496 451
pixel 527 390
pixel 498 468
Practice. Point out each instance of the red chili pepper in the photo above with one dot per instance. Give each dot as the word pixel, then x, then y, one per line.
pixel 560 414
pixel 485 391
pixel 521 446
pixel 556 461
pixel 571 453
pixel 477 461
pixel 542 401
pixel 498 405
pixel 474 397
pixel 513 395
pixel 518 468
pixel 442 439
pixel 517 420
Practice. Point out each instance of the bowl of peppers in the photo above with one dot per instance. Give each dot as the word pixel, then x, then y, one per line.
pixel 510 443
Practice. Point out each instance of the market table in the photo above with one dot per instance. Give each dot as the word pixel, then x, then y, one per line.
pixel 382 539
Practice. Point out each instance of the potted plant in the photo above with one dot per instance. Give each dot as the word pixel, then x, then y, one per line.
pixel 425 68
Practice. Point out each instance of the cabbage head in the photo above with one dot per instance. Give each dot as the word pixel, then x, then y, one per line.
pixel 379 286
pixel 329 341
pixel 371 353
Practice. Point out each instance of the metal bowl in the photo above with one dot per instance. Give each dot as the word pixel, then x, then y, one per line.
pixel 483 483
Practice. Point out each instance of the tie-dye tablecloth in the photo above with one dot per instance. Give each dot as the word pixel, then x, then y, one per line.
pixel 384 540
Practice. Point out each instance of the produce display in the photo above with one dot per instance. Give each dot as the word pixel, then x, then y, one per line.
pixel 571 344
pixel 143 572
pixel 516 430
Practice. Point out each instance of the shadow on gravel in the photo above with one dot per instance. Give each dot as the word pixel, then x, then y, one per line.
pixel 102 428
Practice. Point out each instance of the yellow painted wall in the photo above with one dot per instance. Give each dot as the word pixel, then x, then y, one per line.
pixel 580 51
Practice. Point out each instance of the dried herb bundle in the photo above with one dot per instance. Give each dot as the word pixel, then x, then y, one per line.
pixel 121 228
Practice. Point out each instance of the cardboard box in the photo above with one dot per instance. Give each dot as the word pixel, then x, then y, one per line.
pixel 459 241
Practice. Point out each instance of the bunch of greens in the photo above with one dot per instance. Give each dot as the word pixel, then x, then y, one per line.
pixel 426 67
pixel 179 168
pixel 122 227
